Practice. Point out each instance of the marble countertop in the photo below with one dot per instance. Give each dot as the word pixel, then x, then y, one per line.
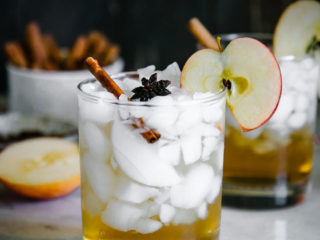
pixel 60 219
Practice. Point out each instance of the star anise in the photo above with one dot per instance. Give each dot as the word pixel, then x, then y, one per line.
pixel 151 88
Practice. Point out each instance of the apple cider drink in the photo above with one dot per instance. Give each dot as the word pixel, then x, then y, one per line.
pixel 270 166
pixel 275 159
pixel 151 157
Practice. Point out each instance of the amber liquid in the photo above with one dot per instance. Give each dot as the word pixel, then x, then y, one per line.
pixel 254 170
pixel 207 229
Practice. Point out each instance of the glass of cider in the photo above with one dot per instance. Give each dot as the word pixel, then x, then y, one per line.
pixel 269 167
pixel 137 189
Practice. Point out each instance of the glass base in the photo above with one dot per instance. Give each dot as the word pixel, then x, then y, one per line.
pixel 282 195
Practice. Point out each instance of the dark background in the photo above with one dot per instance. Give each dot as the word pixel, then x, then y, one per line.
pixel 149 32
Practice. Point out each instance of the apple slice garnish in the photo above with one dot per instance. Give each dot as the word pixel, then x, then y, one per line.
pixel 249 71
pixel 298 29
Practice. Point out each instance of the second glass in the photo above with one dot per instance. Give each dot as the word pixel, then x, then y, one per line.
pixel 269 167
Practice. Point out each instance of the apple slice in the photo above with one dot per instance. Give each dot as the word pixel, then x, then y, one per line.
pixel 249 71
pixel 298 29
pixel 41 168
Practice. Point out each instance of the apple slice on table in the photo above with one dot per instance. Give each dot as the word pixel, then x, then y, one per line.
pixel 41 168
pixel 298 29
pixel 248 70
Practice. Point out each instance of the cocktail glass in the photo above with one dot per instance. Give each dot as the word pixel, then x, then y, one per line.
pixel 270 166
pixel 133 189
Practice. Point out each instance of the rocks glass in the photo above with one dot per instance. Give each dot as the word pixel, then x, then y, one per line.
pixel 133 189
pixel 269 167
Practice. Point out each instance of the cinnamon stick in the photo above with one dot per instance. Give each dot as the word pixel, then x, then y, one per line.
pixel 35 44
pixel 97 43
pixel 77 53
pixel 15 54
pixel 106 81
pixel 111 54
pixel 200 32
pixel 52 49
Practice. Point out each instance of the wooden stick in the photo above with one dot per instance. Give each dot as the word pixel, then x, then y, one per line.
pixel 200 32
pixel 15 54
pixel 97 43
pixel 52 49
pixel 111 54
pixel 35 44
pixel 107 82
pixel 77 53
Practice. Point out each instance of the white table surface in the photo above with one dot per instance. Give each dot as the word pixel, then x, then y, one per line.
pixel 60 219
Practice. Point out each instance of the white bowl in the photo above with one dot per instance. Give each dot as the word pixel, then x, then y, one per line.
pixel 49 93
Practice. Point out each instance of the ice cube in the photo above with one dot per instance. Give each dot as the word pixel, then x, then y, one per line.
pixel 122 216
pixel 302 102
pixel 163 197
pixel 139 159
pixel 191 192
pixel 285 108
pixel 91 203
pixel 218 157
pixel 97 142
pixel 163 119
pixel 98 111
pixel 91 88
pixel 184 216
pixel 170 153
pixel 179 94
pixel 172 73
pixel 297 120
pixel 167 213
pixel 152 209
pixel 129 85
pixel 146 72
pixel 307 64
pixel 300 79
pixel 212 113
pixel 100 177
pixel 122 108
pixel 188 118
pixel 191 146
pixel 210 144
pixel 208 130
pixel 130 191
pixel 146 226
pixel 215 188
pixel 202 211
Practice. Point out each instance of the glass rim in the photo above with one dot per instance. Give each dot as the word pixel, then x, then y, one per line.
pixel 133 74
pixel 262 36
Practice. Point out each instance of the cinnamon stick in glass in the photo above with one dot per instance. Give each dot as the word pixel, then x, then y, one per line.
pixel 106 81
pixel 200 32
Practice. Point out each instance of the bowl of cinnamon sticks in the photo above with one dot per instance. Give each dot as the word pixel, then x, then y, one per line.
pixel 43 78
